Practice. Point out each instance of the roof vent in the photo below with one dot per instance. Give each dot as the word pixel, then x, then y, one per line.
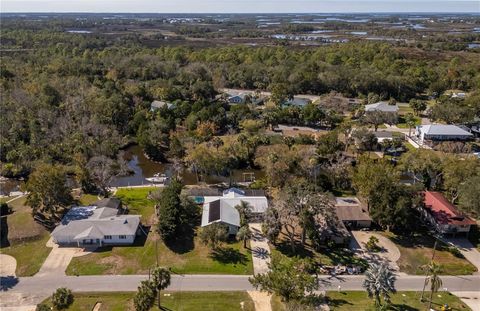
pixel 125 221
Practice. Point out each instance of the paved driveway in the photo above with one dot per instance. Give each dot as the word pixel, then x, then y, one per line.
pixel 390 252
pixel 58 259
pixel 470 252
pixel 260 249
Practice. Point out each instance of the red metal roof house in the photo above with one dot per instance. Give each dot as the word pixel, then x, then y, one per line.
pixel 446 218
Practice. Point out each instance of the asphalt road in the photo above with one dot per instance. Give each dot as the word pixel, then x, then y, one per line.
pixel 109 283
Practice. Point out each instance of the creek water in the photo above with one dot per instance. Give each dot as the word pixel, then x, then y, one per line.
pixel 142 167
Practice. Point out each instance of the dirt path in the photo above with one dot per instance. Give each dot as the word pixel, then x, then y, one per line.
pixel 261 300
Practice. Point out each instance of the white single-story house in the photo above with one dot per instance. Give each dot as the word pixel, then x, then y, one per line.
pixel 441 132
pixel 382 106
pixel 158 104
pixel 296 102
pixel 221 209
pixel 382 136
pixel 96 225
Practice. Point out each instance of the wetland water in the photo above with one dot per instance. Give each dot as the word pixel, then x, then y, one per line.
pixel 142 168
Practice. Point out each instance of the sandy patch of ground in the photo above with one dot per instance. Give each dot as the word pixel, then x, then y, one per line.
pixel 471 299
pixel 261 300
pixel 8 264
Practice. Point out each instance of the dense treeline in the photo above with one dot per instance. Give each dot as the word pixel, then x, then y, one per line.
pixel 68 98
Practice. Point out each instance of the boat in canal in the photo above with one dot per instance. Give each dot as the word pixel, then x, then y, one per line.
pixel 158 178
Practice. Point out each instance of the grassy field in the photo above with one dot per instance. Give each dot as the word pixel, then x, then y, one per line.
pixel 27 239
pixel 188 256
pixel 178 301
pixel 416 252
pixel 401 301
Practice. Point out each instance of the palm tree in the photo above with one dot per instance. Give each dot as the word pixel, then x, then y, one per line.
pixel 379 283
pixel 410 120
pixel 145 296
pixel 244 234
pixel 434 280
pixel 160 280
pixel 245 210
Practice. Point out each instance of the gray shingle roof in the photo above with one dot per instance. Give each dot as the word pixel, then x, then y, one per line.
pixel 444 129
pixel 95 223
pixel 381 106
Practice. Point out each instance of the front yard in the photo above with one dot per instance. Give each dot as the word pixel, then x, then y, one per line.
pixel 187 256
pixel 179 301
pixel 326 256
pixel 406 301
pixel 27 239
pixel 401 301
pixel 416 252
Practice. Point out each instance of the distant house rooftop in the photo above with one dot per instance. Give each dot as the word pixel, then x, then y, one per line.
pixel 443 130
pixel 443 211
pixel 297 101
pixel 381 106
pixel 157 104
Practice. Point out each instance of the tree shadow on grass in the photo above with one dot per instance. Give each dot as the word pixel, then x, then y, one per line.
pixel 337 302
pixel 228 255
pixel 285 247
pixel 183 243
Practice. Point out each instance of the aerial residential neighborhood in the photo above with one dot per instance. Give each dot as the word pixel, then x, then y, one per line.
pixel 238 155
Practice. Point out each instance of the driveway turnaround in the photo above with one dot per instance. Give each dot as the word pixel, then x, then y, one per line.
pixel 8 264
pixel 390 252
pixel 260 249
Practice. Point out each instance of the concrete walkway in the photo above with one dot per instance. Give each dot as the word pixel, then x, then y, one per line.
pixel 260 249
pixel 470 252
pixel 389 253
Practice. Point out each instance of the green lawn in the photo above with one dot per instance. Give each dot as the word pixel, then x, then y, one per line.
pixel 401 301
pixel 416 252
pixel 137 202
pixel 178 301
pixel 232 258
pixel 188 256
pixel 87 199
pixel 27 239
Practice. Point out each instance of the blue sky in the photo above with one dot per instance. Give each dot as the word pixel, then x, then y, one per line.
pixel 240 6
